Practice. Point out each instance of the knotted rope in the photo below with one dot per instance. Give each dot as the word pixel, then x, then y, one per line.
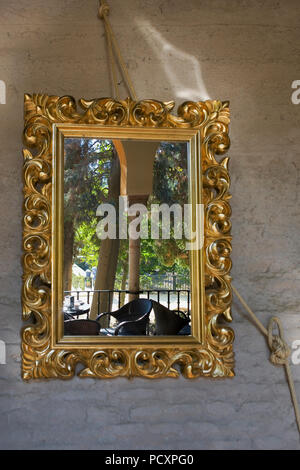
pixel 113 47
pixel 280 351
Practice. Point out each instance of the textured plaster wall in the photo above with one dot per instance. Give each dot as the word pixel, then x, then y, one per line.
pixel 244 51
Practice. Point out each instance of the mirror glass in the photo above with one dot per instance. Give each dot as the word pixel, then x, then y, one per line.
pixel 126 232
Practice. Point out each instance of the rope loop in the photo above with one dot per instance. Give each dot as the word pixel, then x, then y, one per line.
pixel 280 351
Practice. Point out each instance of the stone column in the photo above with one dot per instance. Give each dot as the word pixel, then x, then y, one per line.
pixel 135 250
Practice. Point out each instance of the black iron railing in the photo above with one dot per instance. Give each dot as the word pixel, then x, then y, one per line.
pixel 174 299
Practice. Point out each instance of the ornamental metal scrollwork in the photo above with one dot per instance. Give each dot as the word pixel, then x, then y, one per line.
pixel 211 358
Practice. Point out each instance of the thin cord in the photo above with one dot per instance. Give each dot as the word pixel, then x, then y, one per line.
pixel 112 64
pixel 112 42
pixel 280 351
pixel 253 316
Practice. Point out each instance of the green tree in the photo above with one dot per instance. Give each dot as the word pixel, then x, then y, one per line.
pixel 86 176
pixel 171 187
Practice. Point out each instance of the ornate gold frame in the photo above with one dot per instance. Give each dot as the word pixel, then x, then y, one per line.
pixel 46 353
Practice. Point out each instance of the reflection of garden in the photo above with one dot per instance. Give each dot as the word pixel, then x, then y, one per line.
pixel 92 177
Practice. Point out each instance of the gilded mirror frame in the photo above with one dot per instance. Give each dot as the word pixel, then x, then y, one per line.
pixel 46 353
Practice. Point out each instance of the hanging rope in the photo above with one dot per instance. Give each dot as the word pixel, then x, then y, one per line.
pixel 280 351
pixel 112 44
pixel 112 62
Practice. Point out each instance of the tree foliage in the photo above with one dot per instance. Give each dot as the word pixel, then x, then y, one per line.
pixel 87 169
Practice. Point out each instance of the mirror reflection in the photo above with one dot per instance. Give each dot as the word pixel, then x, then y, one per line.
pixel 126 226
